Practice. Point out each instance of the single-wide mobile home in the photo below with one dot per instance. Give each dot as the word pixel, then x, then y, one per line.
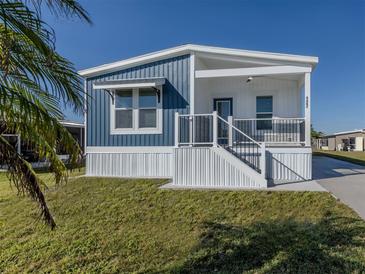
pixel 202 116
pixel 347 140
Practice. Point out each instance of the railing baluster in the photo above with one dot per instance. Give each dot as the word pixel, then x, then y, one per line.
pixel 237 136
pixel 274 130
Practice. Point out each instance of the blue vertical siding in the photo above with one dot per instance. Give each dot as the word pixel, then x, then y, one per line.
pixel 176 97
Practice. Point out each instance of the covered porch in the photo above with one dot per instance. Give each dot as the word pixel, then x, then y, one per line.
pixel 266 100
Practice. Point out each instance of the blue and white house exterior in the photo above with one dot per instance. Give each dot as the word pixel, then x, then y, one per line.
pixel 202 116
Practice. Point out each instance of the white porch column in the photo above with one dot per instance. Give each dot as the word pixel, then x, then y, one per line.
pixel 191 130
pixel 85 117
pixel 307 108
pixel 215 129
pixel 263 160
pixel 176 129
pixel 192 83
pixel 192 99
pixel 230 131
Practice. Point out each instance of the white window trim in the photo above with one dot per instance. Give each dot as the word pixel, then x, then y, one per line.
pixel 135 117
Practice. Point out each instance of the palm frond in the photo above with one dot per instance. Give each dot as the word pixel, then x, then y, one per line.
pixel 35 81
pixel 26 49
pixel 64 8
pixel 25 179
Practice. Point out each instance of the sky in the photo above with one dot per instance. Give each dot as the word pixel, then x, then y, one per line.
pixel 333 30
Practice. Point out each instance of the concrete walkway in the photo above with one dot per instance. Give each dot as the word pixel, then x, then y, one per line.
pixel 344 180
pixel 297 186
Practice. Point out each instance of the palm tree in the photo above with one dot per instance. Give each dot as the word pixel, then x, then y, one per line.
pixel 35 81
pixel 316 134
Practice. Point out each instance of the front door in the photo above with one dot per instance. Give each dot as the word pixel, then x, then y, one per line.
pixel 224 108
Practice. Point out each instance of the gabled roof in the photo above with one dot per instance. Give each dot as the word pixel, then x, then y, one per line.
pixel 189 48
pixel 344 132
pixel 350 131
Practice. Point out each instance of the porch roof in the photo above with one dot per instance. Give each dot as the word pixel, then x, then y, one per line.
pixel 130 83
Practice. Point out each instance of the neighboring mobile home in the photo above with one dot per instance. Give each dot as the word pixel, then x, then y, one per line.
pixel 26 149
pixel 348 140
pixel 203 116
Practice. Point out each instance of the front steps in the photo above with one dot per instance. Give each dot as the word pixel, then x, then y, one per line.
pixel 213 167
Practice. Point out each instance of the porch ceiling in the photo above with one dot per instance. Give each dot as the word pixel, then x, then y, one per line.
pixel 221 61
pixel 252 71
pixel 290 77
pixel 217 63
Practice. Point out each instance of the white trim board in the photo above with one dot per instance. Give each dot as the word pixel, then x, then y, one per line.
pixel 124 86
pixel 169 149
pixel 257 71
pixel 190 48
pixel 137 149
pixel 129 177
pixel 291 150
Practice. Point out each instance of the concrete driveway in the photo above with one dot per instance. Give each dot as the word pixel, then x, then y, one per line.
pixel 345 180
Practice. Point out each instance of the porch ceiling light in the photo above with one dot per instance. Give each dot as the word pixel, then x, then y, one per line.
pixel 249 79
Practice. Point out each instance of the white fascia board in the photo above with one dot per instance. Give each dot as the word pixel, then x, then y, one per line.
pixel 136 149
pixel 187 49
pixel 256 54
pixel 258 71
pixel 121 86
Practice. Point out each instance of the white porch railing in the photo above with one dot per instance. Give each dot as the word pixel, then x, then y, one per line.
pixel 194 129
pixel 212 130
pixel 275 130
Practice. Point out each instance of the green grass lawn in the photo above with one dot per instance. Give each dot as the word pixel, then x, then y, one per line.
pixel 356 157
pixel 115 225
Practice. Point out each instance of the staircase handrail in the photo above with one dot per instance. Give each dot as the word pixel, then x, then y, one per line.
pixel 245 135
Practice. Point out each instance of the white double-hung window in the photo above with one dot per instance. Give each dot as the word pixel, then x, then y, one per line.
pixel 123 109
pixel 137 111
pixel 147 106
